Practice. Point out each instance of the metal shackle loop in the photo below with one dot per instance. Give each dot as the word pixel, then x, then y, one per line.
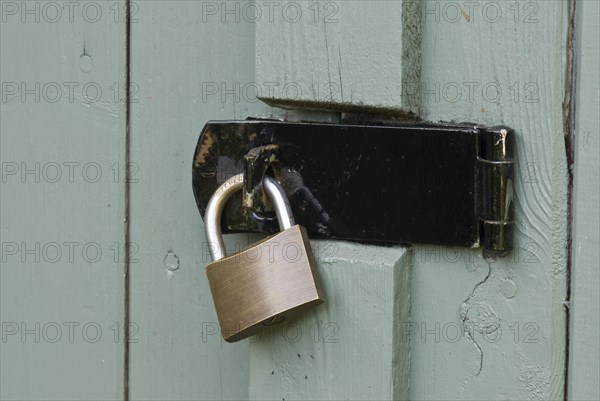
pixel 214 210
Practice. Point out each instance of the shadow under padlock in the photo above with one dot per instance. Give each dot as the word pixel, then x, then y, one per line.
pixel 262 285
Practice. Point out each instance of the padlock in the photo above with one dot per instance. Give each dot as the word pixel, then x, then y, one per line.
pixel 267 282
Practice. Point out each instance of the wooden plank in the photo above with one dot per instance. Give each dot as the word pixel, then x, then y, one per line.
pixel 62 202
pixel 337 54
pixel 192 69
pixel 510 312
pixel 362 324
pixel 584 371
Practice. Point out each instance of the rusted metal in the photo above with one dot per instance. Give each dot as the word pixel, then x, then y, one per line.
pixel 257 161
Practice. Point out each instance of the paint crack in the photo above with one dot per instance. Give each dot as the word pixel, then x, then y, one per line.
pixel 464 309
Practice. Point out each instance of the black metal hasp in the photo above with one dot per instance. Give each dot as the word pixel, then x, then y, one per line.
pixel 415 183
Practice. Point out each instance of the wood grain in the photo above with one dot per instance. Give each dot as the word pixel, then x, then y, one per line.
pixel 512 342
pixel 342 55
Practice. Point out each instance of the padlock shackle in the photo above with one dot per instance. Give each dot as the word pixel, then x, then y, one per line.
pixel 217 202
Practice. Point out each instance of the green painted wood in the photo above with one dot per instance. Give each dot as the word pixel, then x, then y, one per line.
pixel 512 345
pixel 362 323
pixel 584 371
pixel 508 314
pixel 62 204
pixel 189 69
pixel 338 54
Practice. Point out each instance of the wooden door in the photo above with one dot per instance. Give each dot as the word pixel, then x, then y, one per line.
pixel 418 322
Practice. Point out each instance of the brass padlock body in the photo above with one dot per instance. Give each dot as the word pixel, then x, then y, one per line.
pixel 264 284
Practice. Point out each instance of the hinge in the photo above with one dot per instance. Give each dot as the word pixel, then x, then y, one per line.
pixel 444 184
pixel 496 189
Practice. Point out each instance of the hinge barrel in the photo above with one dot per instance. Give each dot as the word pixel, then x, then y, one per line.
pixel 496 189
